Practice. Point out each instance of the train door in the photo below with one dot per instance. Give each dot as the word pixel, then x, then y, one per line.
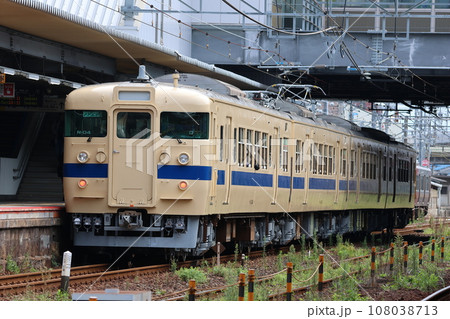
pixel 379 173
pixel 131 170
pixel 228 147
pixel 291 178
pixel 307 154
pixel 358 172
pixel 275 161
pixel 214 177
pixel 336 168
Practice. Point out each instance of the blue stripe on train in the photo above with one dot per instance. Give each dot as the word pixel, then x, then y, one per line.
pixel 251 179
pixel 78 170
pixel 220 177
pixel 343 185
pixel 285 182
pixel 321 183
pixel 202 173
pixel 299 183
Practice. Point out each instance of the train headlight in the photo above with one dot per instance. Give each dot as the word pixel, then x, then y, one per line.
pixel 83 157
pixel 183 158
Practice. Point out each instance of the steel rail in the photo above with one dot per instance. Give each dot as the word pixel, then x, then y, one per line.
pixel 80 278
pixel 48 274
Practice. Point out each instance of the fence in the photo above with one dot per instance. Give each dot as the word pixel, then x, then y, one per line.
pixel 318 270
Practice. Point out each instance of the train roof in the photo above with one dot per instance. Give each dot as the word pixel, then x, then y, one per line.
pixel 219 90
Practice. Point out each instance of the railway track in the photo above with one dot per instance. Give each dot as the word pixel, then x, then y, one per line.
pixel 16 284
pixel 38 281
pixel 47 275
pixel 416 229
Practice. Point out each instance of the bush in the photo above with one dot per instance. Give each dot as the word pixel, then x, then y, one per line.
pixel 187 274
pixel 11 265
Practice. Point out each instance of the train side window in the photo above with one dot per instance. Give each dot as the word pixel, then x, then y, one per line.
pixel 325 160
pixel 319 158
pixel 298 156
pixel 331 160
pixel 391 167
pixel 241 147
pixel 249 149
pixel 374 163
pixel 362 164
pixel 384 167
pixel 344 162
pixel 183 125
pixel 221 143
pixel 284 154
pixel 270 151
pixel 264 150
pixel 352 163
pixel 408 168
pixel 257 150
pixel 133 125
pixel 235 145
pixel 314 148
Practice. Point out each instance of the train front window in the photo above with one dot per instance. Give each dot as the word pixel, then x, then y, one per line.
pixel 85 123
pixel 182 125
pixel 133 125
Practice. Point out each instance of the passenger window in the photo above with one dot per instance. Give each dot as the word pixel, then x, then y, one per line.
pixel 134 125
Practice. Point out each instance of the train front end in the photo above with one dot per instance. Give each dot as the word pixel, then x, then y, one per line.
pixel 136 172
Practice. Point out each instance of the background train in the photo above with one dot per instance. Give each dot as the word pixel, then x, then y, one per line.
pixel 183 165
pixel 423 191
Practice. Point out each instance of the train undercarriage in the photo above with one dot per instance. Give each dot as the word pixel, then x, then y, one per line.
pixel 196 235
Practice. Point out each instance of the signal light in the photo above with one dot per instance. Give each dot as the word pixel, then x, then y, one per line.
pixel 82 183
pixel 183 185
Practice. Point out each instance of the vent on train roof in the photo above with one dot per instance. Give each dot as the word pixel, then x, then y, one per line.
pixel 204 82
pixel 340 122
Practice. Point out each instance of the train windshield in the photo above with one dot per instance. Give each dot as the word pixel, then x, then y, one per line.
pixel 85 123
pixel 133 125
pixel 183 125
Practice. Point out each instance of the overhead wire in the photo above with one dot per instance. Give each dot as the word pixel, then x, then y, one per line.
pixel 206 34
pixel 268 51
pixel 393 55
pixel 272 28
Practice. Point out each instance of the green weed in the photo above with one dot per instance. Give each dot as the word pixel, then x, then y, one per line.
pixel 187 274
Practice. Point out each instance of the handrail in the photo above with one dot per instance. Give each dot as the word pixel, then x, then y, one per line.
pixel 28 144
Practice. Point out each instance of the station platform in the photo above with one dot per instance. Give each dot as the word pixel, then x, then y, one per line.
pixel 30 234
pixel 23 215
